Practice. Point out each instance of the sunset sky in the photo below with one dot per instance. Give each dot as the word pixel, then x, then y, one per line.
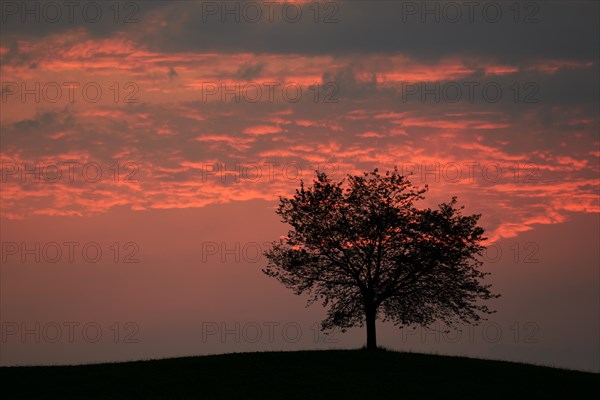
pixel 162 134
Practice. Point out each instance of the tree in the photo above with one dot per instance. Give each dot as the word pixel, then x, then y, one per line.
pixel 362 248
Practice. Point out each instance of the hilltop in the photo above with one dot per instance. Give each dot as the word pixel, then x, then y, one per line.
pixel 331 374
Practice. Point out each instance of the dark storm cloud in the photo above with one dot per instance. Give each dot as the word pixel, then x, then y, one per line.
pixel 497 30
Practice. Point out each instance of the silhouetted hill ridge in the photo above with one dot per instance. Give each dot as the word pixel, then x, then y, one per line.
pixel 330 374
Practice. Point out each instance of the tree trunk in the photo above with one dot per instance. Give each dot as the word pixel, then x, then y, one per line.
pixel 371 331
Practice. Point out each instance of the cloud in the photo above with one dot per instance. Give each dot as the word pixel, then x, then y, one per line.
pixel 376 69
pixel 250 71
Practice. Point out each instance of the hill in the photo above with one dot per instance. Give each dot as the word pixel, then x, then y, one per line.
pixel 332 374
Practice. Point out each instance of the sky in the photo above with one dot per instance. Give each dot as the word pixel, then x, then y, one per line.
pixel 144 147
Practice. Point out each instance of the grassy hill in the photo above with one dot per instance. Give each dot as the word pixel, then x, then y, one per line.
pixel 332 374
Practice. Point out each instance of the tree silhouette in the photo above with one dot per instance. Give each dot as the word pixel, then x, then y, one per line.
pixel 362 248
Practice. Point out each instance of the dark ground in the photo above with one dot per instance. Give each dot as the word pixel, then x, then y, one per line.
pixel 332 374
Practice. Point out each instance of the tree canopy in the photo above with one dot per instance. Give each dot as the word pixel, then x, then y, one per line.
pixel 363 248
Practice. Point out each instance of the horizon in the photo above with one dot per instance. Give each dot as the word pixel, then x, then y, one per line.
pixel 361 349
